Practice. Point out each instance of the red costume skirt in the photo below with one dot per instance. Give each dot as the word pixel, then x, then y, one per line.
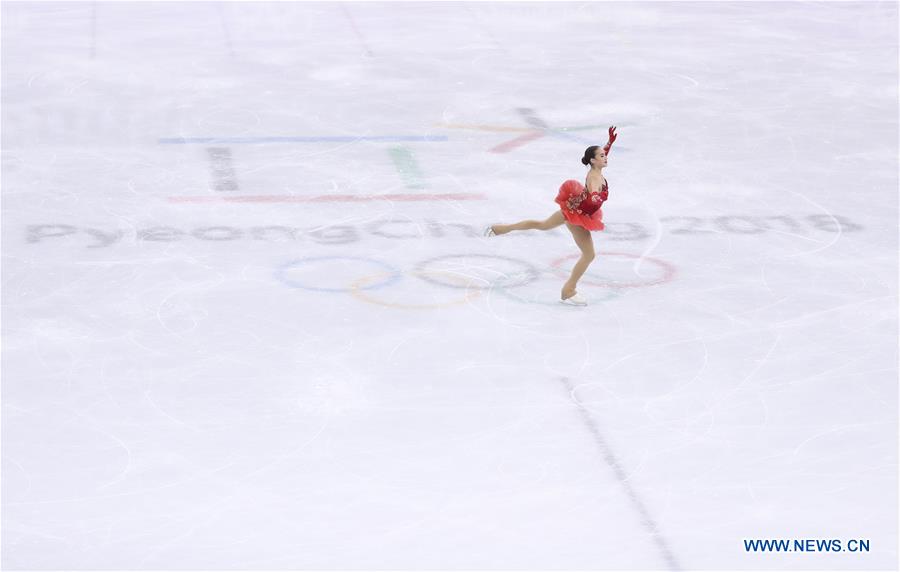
pixel 578 207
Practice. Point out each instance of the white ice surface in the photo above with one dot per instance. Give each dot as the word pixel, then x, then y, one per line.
pixel 367 386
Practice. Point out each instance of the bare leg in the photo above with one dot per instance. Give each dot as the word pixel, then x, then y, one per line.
pixel 551 222
pixel 586 244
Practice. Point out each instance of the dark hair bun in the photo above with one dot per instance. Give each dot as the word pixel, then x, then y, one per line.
pixel 585 160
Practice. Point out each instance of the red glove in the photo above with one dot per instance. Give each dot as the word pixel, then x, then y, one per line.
pixel 612 137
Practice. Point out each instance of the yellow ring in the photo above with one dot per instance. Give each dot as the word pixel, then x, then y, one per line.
pixel 356 289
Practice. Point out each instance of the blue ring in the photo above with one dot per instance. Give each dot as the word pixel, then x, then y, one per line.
pixel 394 276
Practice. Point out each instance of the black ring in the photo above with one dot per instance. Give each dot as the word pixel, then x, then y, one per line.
pixel 532 273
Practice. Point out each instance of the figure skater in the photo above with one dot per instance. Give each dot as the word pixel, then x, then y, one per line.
pixel 580 209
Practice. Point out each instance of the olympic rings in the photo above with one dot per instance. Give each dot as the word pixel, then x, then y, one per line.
pixel 356 289
pixel 668 271
pixel 393 274
pixel 461 272
pixel 529 275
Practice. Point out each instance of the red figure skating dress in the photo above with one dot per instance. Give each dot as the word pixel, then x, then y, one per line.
pixel 580 206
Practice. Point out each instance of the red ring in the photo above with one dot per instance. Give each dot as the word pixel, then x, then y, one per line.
pixel 668 271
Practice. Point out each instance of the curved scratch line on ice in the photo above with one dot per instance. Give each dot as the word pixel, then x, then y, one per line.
pixel 835 430
pixel 690 79
pixel 24 472
pixel 129 462
pixel 656 240
pixel 747 377
pixel 147 396
pixel 828 213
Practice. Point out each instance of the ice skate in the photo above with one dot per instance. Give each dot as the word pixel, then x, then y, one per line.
pixel 574 300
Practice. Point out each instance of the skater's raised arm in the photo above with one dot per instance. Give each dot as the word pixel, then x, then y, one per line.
pixel 612 137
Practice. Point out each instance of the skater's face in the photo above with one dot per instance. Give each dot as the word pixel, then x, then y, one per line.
pixel 599 159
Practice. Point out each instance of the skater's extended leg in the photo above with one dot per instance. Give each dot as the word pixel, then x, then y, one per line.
pixel 586 244
pixel 550 222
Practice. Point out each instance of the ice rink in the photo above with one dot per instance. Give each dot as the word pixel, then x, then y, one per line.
pixel 250 320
